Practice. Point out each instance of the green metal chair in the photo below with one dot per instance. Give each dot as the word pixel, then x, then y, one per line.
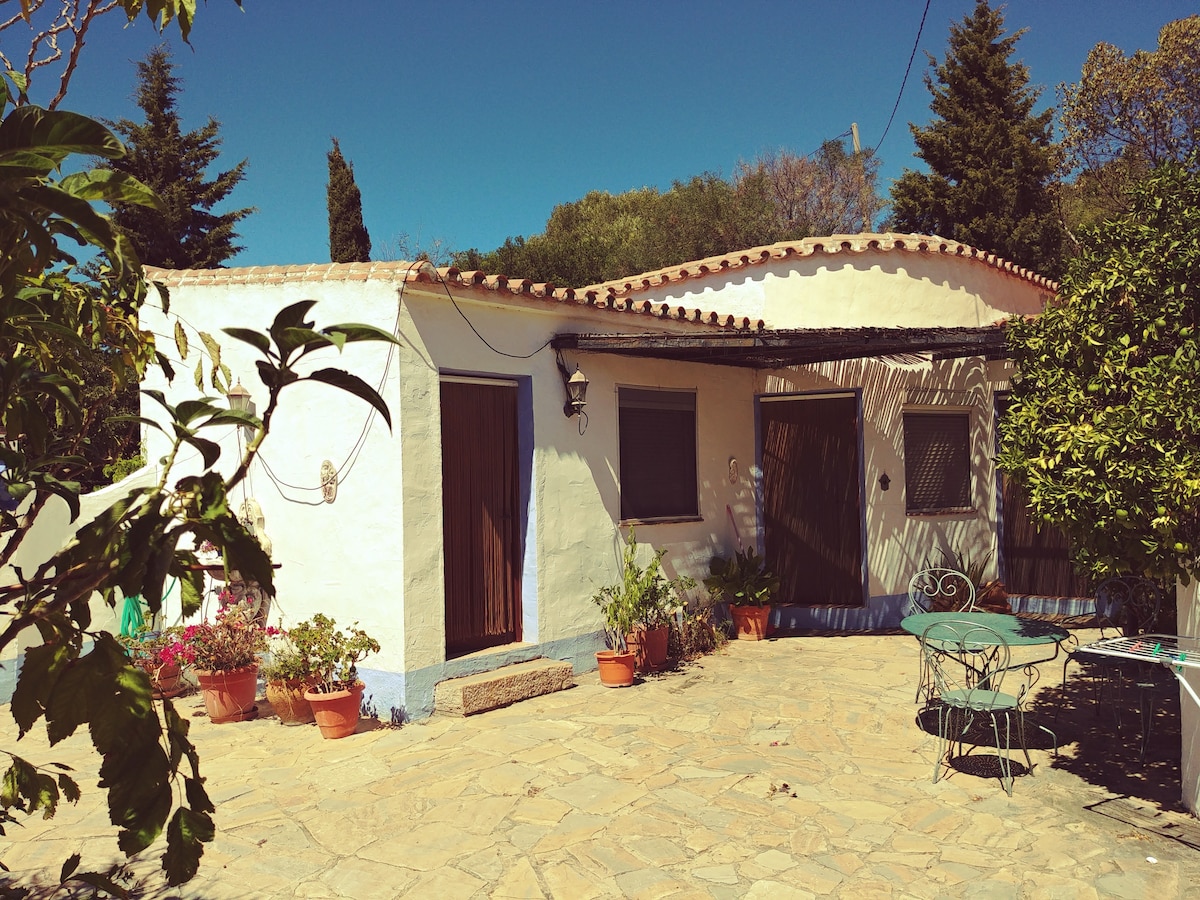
pixel 969 664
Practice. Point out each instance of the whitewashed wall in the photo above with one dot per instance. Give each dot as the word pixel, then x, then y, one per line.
pixel 867 288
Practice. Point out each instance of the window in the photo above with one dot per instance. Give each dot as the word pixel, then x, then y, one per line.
pixel 657 431
pixel 937 461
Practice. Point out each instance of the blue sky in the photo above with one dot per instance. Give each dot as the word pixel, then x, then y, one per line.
pixel 468 121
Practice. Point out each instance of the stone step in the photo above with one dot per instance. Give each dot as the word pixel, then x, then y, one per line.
pixel 491 690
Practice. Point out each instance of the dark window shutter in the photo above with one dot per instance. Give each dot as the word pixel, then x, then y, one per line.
pixel 937 461
pixel 657 432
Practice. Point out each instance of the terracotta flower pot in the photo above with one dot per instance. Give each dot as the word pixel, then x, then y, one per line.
pixel 337 712
pixel 649 648
pixel 229 695
pixel 750 622
pixel 287 699
pixel 616 668
pixel 166 681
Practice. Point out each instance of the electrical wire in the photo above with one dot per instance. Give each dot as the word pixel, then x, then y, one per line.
pixel 904 80
pixel 486 343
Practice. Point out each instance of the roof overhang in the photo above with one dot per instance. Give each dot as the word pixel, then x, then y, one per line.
pixel 769 349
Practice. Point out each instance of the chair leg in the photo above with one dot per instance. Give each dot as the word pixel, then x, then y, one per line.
pixel 1003 754
pixel 944 712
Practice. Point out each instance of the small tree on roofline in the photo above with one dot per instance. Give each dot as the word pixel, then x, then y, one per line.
pixel 1104 425
pixel 348 238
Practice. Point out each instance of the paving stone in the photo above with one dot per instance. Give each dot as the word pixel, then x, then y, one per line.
pixel 726 874
pixel 354 877
pixel 520 882
pixel 774 890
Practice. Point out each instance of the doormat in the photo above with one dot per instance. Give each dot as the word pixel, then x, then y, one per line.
pixel 1177 827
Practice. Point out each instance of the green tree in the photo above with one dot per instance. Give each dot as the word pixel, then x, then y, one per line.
pixel 348 238
pixel 52 314
pixel 777 197
pixel 992 159
pixel 1127 114
pixel 1104 425
pixel 185 233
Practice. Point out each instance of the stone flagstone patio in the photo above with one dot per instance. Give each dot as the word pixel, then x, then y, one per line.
pixel 785 768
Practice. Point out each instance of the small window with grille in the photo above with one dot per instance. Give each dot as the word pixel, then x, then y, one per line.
pixel 937 462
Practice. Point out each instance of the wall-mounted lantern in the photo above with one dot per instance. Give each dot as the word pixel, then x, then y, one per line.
pixel 239 400
pixel 576 386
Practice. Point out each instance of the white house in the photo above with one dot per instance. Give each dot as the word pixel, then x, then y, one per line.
pixel 830 401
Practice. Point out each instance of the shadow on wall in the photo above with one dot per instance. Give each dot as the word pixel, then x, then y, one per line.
pixel 896 543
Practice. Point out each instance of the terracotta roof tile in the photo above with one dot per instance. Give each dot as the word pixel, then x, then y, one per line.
pixel 612 295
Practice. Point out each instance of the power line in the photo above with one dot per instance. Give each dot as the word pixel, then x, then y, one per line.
pixel 904 80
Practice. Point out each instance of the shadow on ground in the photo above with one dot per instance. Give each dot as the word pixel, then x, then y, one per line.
pixel 1098 720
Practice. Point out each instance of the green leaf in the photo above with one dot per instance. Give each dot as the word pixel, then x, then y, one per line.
pixel 352 384
pixel 353 332
pixel 187 833
pixel 210 452
pixel 57 133
pixel 248 336
pixel 191 586
pixel 111 187
pixel 181 340
pixel 214 349
pixel 68 867
pixel 40 671
pixel 70 790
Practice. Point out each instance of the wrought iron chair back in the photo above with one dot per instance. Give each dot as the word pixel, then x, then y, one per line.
pixel 1128 602
pixel 940 590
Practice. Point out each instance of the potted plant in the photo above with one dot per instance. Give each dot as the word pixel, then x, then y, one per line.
pixel 744 582
pixel 333 656
pixel 162 655
pixel 637 613
pixel 224 655
pixel 288 675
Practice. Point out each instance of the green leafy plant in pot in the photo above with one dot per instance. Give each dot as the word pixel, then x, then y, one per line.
pixel 288 675
pixel 744 582
pixel 637 613
pixel 333 656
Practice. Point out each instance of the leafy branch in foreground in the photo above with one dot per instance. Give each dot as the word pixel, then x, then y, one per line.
pixel 130 549
pixel 51 318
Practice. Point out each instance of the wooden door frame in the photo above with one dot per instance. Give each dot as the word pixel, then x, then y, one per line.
pixel 760 514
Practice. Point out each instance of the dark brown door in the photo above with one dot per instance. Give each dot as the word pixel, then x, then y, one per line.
pixel 481 524
pixel 812 498
pixel 1033 560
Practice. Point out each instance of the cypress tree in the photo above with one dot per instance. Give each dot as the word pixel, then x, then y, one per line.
pixel 187 234
pixel 992 159
pixel 348 238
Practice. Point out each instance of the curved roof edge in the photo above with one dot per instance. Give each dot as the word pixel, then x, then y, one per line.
pixel 614 295
pixel 831 245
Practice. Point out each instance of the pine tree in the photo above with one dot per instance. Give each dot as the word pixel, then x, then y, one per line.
pixel 992 159
pixel 348 238
pixel 187 234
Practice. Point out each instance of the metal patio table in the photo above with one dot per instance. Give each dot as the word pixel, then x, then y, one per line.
pixel 1016 631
